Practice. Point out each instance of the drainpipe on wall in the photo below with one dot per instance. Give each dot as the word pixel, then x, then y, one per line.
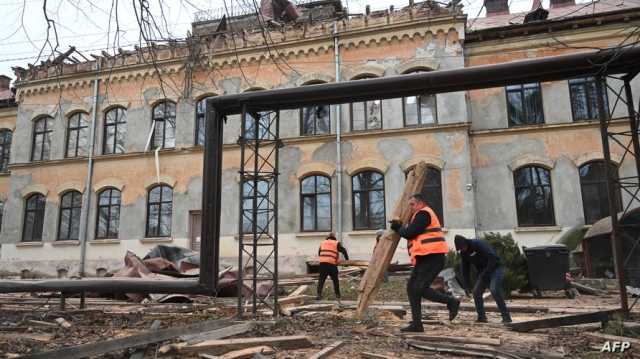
pixel 84 218
pixel 336 50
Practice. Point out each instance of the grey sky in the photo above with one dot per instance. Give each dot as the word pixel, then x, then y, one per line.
pixel 88 25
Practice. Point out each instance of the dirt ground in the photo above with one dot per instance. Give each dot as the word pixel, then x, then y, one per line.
pixel 21 330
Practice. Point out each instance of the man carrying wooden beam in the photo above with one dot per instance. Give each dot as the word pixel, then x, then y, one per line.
pixel 427 249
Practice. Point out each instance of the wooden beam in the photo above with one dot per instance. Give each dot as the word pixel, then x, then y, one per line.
pixel 301 289
pixel 387 245
pixel 218 333
pixel 594 317
pixel 467 350
pixel 103 347
pixel 328 350
pixel 243 353
pixel 374 356
pixel 220 346
pixel 463 340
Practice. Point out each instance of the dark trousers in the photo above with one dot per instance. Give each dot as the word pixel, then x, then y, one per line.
pixel 495 287
pixel 419 285
pixel 330 270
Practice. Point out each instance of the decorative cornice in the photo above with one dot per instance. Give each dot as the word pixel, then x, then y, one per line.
pixel 316 167
pixel 531 159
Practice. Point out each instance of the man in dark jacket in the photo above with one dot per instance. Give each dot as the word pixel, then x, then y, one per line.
pixel 328 253
pixel 490 274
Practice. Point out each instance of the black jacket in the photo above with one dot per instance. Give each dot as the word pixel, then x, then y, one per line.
pixel 416 227
pixel 482 256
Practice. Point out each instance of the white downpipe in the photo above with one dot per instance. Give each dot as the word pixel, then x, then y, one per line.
pixel 336 50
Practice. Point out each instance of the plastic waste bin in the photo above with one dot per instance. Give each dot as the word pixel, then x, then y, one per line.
pixel 547 267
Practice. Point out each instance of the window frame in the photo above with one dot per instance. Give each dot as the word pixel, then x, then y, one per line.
pixel 109 217
pixel 160 203
pixel 163 119
pixel 315 123
pixel 314 195
pixel 521 89
pixel 39 213
pixel 419 104
pixel 260 198
pixel 117 124
pixel 516 188
pixel 79 129
pixel 6 139
pixel 201 115
pixel 46 133
pixel 71 209
pixel 599 182
pixel 365 113
pixel 368 226
pixel 584 81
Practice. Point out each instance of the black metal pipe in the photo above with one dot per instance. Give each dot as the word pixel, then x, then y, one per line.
pixel 551 68
pixel 67 286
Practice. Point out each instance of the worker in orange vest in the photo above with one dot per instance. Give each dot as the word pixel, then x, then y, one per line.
pixel 328 253
pixel 427 248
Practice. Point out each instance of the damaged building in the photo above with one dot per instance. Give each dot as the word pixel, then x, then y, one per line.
pixel 524 159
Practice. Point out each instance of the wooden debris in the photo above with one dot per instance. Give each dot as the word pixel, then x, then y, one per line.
pixel 308 308
pixel 467 350
pixel 328 350
pixel 587 290
pixel 387 245
pixel 63 323
pixel 218 333
pixel 140 352
pixel 374 356
pixel 301 289
pixel 221 346
pixel 103 347
pixel 464 340
pixel 28 336
pixel 244 353
pixel 298 299
pixel 527 326
pixel 41 323
pixel 613 338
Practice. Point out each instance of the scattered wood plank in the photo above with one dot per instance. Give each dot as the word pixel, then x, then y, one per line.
pixel 41 323
pixel 103 347
pixel 63 323
pixel 467 350
pixel 28 336
pixel 613 338
pixel 594 317
pixel 328 350
pixel 140 352
pixel 585 289
pixel 301 289
pixel 242 354
pixel 220 346
pixel 374 356
pixel 218 333
pixel 298 299
pixel 387 245
pixel 463 340
pixel 308 308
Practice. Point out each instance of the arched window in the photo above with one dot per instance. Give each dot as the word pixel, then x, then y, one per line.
pixel 108 220
pixel 159 211
pixel 164 119
pixel 315 202
pixel 41 146
pixel 69 221
pixel 261 195
pixel 366 115
pixel 432 191
pixel 33 218
pixel 201 114
pixel 595 197
pixel 419 110
pixel 77 135
pixel 367 198
pixel 315 120
pixel 115 131
pixel 534 199
pixel 5 149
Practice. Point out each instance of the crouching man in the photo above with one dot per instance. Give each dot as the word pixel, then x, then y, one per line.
pixel 490 274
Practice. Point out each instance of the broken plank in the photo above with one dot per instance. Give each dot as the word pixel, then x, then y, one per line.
pixel 562 321
pixel 27 336
pixel 328 350
pixel 615 338
pixel 388 243
pixel 309 308
pixel 473 351
pixel 248 353
pixel 221 346
pixel 218 333
pixel 45 324
pixel 140 352
pixel 301 289
pixel 374 356
pixel 585 289
pixel 103 347
pixel 461 339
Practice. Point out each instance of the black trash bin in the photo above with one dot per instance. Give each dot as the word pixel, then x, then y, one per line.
pixel 547 267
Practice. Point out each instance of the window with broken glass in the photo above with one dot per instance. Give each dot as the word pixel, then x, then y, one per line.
pixel 315 120
pixel 115 131
pixel 41 146
pixel 159 211
pixel 69 221
pixel 77 135
pixel 164 119
pixel 595 196
pixel 5 149
pixel 201 113
pixel 584 98
pixel 261 194
pixel 315 201
pixel 534 199
pixel 524 104
pixel 108 220
pixel 367 191
pixel 33 218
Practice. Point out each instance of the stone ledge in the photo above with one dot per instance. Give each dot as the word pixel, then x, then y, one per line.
pixel 152 240
pixel 363 233
pixel 104 241
pixel 30 244
pixel 539 229
pixel 65 243
pixel 312 235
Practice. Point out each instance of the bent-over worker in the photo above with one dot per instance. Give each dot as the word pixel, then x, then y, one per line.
pixel 427 249
pixel 328 253
pixel 490 271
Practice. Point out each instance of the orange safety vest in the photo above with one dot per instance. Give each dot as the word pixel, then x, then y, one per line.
pixel 329 251
pixel 431 241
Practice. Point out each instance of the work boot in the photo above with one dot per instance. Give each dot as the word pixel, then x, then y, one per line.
pixel 339 302
pixel 453 309
pixel 482 320
pixel 411 328
pixel 506 320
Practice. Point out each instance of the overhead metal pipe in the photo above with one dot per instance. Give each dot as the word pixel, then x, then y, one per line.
pixel 604 62
pixel 101 285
